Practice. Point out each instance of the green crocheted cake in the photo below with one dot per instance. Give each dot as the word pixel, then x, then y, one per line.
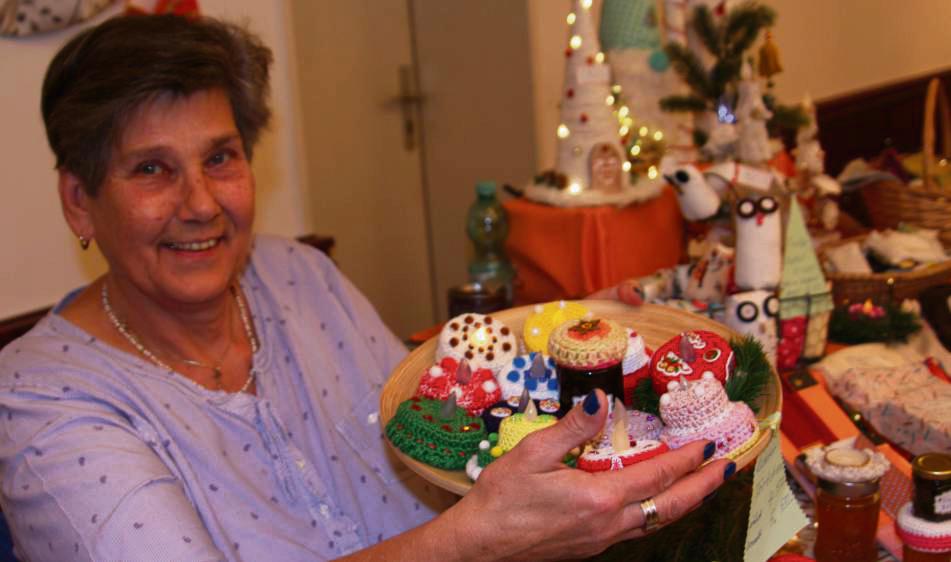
pixel 418 430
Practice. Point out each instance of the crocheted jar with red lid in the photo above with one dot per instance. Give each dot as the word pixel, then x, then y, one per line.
pixel 588 355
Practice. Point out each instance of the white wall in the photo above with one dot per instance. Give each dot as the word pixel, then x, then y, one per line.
pixel 828 47
pixel 41 259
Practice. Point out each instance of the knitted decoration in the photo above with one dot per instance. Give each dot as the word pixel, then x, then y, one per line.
pixel 588 344
pixel 845 464
pixel 701 410
pixel 641 425
pixel 606 458
pixel 480 391
pixel 517 426
pixel 539 325
pixel 517 375
pixel 689 356
pixel 483 341
pixel 419 432
pixel 921 534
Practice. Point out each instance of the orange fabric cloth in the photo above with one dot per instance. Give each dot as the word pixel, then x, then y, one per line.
pixel 563 253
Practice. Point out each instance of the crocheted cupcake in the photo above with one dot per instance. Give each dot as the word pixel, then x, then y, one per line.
pixel 636 364
pixel 533 371
pixel 482 340
pixel 588 344
pixel 539 325
pixel 494 414
pixel 474 390
pixel 701 410
pixel 689 356
pixel 419 430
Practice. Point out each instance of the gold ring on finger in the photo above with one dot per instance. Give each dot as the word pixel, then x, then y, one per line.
pixel 651 517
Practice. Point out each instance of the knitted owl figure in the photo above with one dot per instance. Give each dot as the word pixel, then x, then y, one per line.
pixel 758 242
pixel 754 313
pixel 697 200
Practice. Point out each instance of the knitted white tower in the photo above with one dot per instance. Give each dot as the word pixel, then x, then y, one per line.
pixel 590 153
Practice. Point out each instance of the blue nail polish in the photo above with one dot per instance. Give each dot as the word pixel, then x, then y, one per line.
pixel 709 450
pixel 730 470
pixel 591 403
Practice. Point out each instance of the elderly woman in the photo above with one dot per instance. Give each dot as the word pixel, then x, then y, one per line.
pixel 213 395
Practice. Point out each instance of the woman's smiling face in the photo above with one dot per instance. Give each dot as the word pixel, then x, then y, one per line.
pixel 173 217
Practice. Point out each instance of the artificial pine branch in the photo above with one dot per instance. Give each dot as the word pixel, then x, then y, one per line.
pixel 724 71
pixel 679 103
pixel 707 30
pixel 789 117
pixel 751 374
pixel 743 25
pixel 689 67
pixel 645 399
pixel 896 325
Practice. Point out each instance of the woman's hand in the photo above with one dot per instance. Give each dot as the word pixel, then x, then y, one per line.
pixel 529 506
pixel 627 291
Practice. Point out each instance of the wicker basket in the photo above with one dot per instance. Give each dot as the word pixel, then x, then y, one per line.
pixel 882 288
pixel 927 204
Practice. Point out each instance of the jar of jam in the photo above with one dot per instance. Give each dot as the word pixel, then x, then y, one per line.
pixel 847 513
pixel 588 355
pixel 932 476
pixel 847 502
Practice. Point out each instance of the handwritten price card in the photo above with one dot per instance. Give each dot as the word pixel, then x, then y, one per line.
pixel 774 514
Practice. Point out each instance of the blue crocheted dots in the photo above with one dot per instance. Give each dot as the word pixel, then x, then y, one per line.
pixel 548 374
pixel 552 384
pixel 531 384
pixel 519 362
pixel 513 376
pixel 658 61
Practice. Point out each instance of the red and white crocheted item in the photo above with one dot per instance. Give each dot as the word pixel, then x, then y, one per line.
pixel 636 365
pixel 711 354
pixel 922 535
pixel 606 458
pixel 479 393
pixel 483 341
pixel 701 410
pixel 792 341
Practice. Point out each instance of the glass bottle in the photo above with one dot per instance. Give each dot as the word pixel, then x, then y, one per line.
pixel 487 226
pixel 847 513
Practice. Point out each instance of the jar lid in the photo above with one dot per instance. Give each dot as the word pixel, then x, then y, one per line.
pixel 588 343
pixel 932 466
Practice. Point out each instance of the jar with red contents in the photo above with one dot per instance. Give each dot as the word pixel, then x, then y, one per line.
pixel 924 524
pixel 588 355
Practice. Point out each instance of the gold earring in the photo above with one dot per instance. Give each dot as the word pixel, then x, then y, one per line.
pixel 83 242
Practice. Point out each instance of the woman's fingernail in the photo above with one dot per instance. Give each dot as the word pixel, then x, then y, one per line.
pixel 730 471
pixel 709 450
pixel 591 403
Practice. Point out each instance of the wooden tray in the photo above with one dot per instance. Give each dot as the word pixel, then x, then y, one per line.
pixel 656 323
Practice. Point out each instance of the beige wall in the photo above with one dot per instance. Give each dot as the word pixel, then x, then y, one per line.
pixel 41 259
pixel 828 47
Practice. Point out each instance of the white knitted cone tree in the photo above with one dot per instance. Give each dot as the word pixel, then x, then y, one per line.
pixel 751 117
pixel 590 153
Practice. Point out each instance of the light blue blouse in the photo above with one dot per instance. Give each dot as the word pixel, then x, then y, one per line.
pixel 104 456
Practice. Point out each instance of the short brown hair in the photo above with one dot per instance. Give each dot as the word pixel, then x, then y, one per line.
pixel 102 75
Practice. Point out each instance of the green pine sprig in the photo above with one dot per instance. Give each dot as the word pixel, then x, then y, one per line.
pixel 679 103
pixel 751 373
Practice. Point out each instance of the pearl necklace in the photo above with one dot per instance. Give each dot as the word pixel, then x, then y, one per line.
pixel 124 330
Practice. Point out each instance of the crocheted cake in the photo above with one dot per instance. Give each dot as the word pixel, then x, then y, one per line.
pixel 483 341
pixel 641 425
pixel 418 430
pixel 701 410
pixel 606 458
pixel 494 414
pixel 588 344
pixel 533 371
pixel 636 364
pixel 517 426
pixel 539 325
pixel 689 356
pixel 474 395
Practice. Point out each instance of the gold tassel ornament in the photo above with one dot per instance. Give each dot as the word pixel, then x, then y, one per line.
pixel 769 64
